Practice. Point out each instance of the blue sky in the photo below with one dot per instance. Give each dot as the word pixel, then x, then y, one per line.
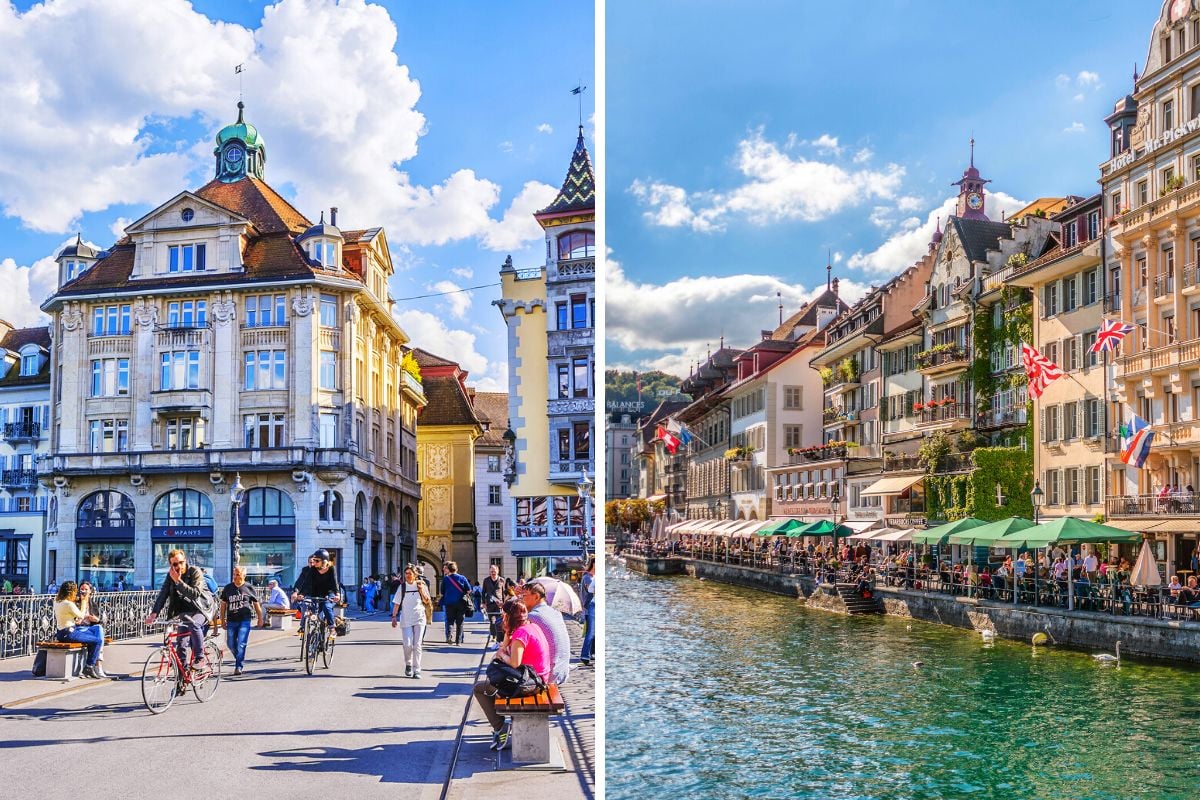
pixel 745 140
pixel 446 123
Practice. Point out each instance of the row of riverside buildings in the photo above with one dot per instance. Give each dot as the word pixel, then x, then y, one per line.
pixel 909 407
pixel 227 340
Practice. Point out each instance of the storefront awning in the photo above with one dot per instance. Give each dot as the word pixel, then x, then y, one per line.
pixel 890 486
pixel 861 525
pixel 1137 525
pixel 746 527
pixel 654 498
pixel 1175 526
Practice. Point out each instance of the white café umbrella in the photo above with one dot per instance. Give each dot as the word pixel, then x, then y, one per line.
pixel 1145 570
pixel 560 595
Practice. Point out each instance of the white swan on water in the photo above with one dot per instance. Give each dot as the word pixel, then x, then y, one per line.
pixel 988 634
pixel 1109 658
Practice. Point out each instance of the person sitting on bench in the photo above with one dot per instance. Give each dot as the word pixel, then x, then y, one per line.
pixel 69 615
pixel 524 643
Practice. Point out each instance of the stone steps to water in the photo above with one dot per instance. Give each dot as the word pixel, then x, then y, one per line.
pixel 856 603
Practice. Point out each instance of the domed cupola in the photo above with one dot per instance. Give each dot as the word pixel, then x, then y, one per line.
pixel 936 239
pixel 240 150
pixel 74 259
pixel 323 242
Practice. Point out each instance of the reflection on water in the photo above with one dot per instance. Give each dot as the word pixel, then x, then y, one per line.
pixel 715 691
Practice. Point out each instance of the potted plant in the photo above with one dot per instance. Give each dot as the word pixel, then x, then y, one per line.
pixel 918 408
pixel 826 374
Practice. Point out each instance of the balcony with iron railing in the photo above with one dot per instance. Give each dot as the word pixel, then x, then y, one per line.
pixel 1189 279
pixel 942 359
pixel 1112 302
pixel 25 430
pixel 1164 286
pixel 1000 417
pixel 1057 254
pixel 901 463
pixel 943 415
pixel 1152 505
pixel 573 269
pixel 19 478
pixel 954 462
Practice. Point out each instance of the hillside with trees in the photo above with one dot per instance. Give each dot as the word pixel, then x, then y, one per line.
pixel 621 390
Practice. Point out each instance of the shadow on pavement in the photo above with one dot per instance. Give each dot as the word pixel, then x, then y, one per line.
pixel 25 743
pixel 407 762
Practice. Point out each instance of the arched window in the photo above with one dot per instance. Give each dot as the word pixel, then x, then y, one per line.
pixel 267 506
pixel 105 509
pixel 389 520
pixel 376 516
pixel 576 244
pixel 331 506
pixel 52 515
pixel 184 508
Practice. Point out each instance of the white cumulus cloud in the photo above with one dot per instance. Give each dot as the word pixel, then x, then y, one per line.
pixel 458 301
pixel 777 187
pixel 1075 127
pixel 431 334
pixel 545 127
pixel 27 287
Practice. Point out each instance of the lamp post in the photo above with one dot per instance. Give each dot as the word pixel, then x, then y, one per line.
pixel 235 498
pixel 584 488
pixel 1038 498
pixel 510 455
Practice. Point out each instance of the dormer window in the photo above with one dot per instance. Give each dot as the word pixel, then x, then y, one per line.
pixel 577 244
pixel 185 258
pixel 31 362
pixel 324 252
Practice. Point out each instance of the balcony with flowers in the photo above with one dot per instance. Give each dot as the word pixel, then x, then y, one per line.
pixel 942 359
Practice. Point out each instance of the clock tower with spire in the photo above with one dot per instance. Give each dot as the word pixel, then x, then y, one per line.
pixel 971 198
pixel 240 150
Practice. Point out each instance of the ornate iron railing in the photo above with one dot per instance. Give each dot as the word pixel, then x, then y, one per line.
pixel 28 619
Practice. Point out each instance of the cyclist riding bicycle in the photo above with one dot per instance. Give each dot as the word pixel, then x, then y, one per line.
pixel 320 582
pixel 187 598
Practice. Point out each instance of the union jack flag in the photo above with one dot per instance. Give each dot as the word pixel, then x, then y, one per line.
pixel 1110 335
pixel 1040 370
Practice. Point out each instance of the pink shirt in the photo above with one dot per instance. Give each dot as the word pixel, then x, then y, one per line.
pixel 537 651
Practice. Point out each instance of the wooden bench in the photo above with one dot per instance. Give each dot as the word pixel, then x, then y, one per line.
pixel 531 723
pixel 64 660
pixel 281 619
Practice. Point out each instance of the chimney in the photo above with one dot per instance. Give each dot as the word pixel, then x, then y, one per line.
pixel 333 216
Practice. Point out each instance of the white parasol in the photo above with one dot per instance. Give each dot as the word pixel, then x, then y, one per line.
pixel 560 595
pixel 1145 570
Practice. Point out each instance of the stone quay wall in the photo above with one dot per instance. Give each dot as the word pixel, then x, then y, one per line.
pixel 1144 637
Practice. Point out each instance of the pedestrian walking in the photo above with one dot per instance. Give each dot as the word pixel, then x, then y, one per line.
pixel 239 608
pixel 369 592
pixel 454 587
pixel 589 612
pixel 409 606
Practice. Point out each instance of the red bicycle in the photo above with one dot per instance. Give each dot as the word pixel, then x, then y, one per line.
pixel 167 674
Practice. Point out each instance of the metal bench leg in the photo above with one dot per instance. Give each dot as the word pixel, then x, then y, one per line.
pixel 531 738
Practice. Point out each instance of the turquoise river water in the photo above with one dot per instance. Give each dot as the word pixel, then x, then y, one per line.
pixel 714 691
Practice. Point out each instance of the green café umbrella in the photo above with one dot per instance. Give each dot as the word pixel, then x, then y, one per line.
pixel 988 535
pixel 1069 530
pixel 780 528
pixel 821 528
pixel 938 535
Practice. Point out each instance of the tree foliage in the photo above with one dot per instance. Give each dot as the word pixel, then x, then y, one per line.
pixel 621 387
pixel 631 514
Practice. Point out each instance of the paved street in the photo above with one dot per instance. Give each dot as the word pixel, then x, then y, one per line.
pixel 359 729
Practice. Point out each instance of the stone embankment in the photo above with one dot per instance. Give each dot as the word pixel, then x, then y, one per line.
pixel 1139 636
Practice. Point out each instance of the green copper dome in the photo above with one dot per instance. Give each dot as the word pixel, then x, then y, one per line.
pixel 240 130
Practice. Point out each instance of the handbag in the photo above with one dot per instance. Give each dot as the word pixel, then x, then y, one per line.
pixel 467 604
pixel 510 681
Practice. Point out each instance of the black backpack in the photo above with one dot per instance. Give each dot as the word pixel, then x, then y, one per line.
pixel 512 681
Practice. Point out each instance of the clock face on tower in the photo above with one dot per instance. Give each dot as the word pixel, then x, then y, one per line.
pixel 1180 9
pixel 234 156
pixel 974 201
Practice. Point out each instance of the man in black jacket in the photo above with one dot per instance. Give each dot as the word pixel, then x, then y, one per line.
pixel 187 598
pixel 320 582
pixel 493 600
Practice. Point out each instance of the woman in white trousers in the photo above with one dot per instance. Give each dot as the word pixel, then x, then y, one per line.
pixel 408 611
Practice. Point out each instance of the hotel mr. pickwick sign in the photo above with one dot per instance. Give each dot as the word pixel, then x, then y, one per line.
pixel 1137 153
pixel 784 508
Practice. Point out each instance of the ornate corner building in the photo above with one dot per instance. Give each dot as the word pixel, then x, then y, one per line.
pixel 227 335
pixel 550 312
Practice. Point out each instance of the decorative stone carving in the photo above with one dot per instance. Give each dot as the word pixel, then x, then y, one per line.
pixel 437 508
pixel 353 312
pixel 223 311
pixel 72 319
pixel 300 478
pixel 304 305
pixel 437 461
pixel 145 315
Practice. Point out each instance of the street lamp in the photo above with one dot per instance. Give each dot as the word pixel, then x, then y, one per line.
pixel 1038 497
pixel 835 503
pixel 584 488
pixel 442 553
pixel 235 498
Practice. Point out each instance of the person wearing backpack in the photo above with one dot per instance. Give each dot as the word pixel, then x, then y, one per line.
pixel 454 589
pixel 186 596
pixel 408 610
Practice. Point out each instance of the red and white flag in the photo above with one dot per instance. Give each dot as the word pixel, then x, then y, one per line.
pixel 670 441
pixel 1040 370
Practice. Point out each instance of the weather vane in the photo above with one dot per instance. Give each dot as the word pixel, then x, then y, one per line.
pixel 238 71
pixel 579 90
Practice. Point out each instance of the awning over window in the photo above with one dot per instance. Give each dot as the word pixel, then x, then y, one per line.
pixel 1137 525
pixel 890 486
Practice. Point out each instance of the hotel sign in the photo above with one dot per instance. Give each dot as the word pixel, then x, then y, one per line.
pixel 174 532
pixel 1136 154
pixel 784 508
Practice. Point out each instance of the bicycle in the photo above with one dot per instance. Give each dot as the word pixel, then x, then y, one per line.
pixel 166 676
pixel 315 636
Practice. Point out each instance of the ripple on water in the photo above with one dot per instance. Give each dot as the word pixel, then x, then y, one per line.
pixel 720 692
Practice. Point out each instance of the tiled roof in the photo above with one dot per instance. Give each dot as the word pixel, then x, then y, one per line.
pixel 426 359
pixel 492 408
pixel 448 402
pixel 13 341
pixel 578 192
pixel 807 315
pixel 273 257
pixel 257 202
pixel 978 236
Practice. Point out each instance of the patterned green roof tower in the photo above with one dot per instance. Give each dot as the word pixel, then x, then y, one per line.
pixel 578 192
pixel 240 151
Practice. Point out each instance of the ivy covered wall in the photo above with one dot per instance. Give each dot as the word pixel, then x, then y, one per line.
pixel 973 494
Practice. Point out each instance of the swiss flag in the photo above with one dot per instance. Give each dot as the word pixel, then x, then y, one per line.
pixel 670 441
